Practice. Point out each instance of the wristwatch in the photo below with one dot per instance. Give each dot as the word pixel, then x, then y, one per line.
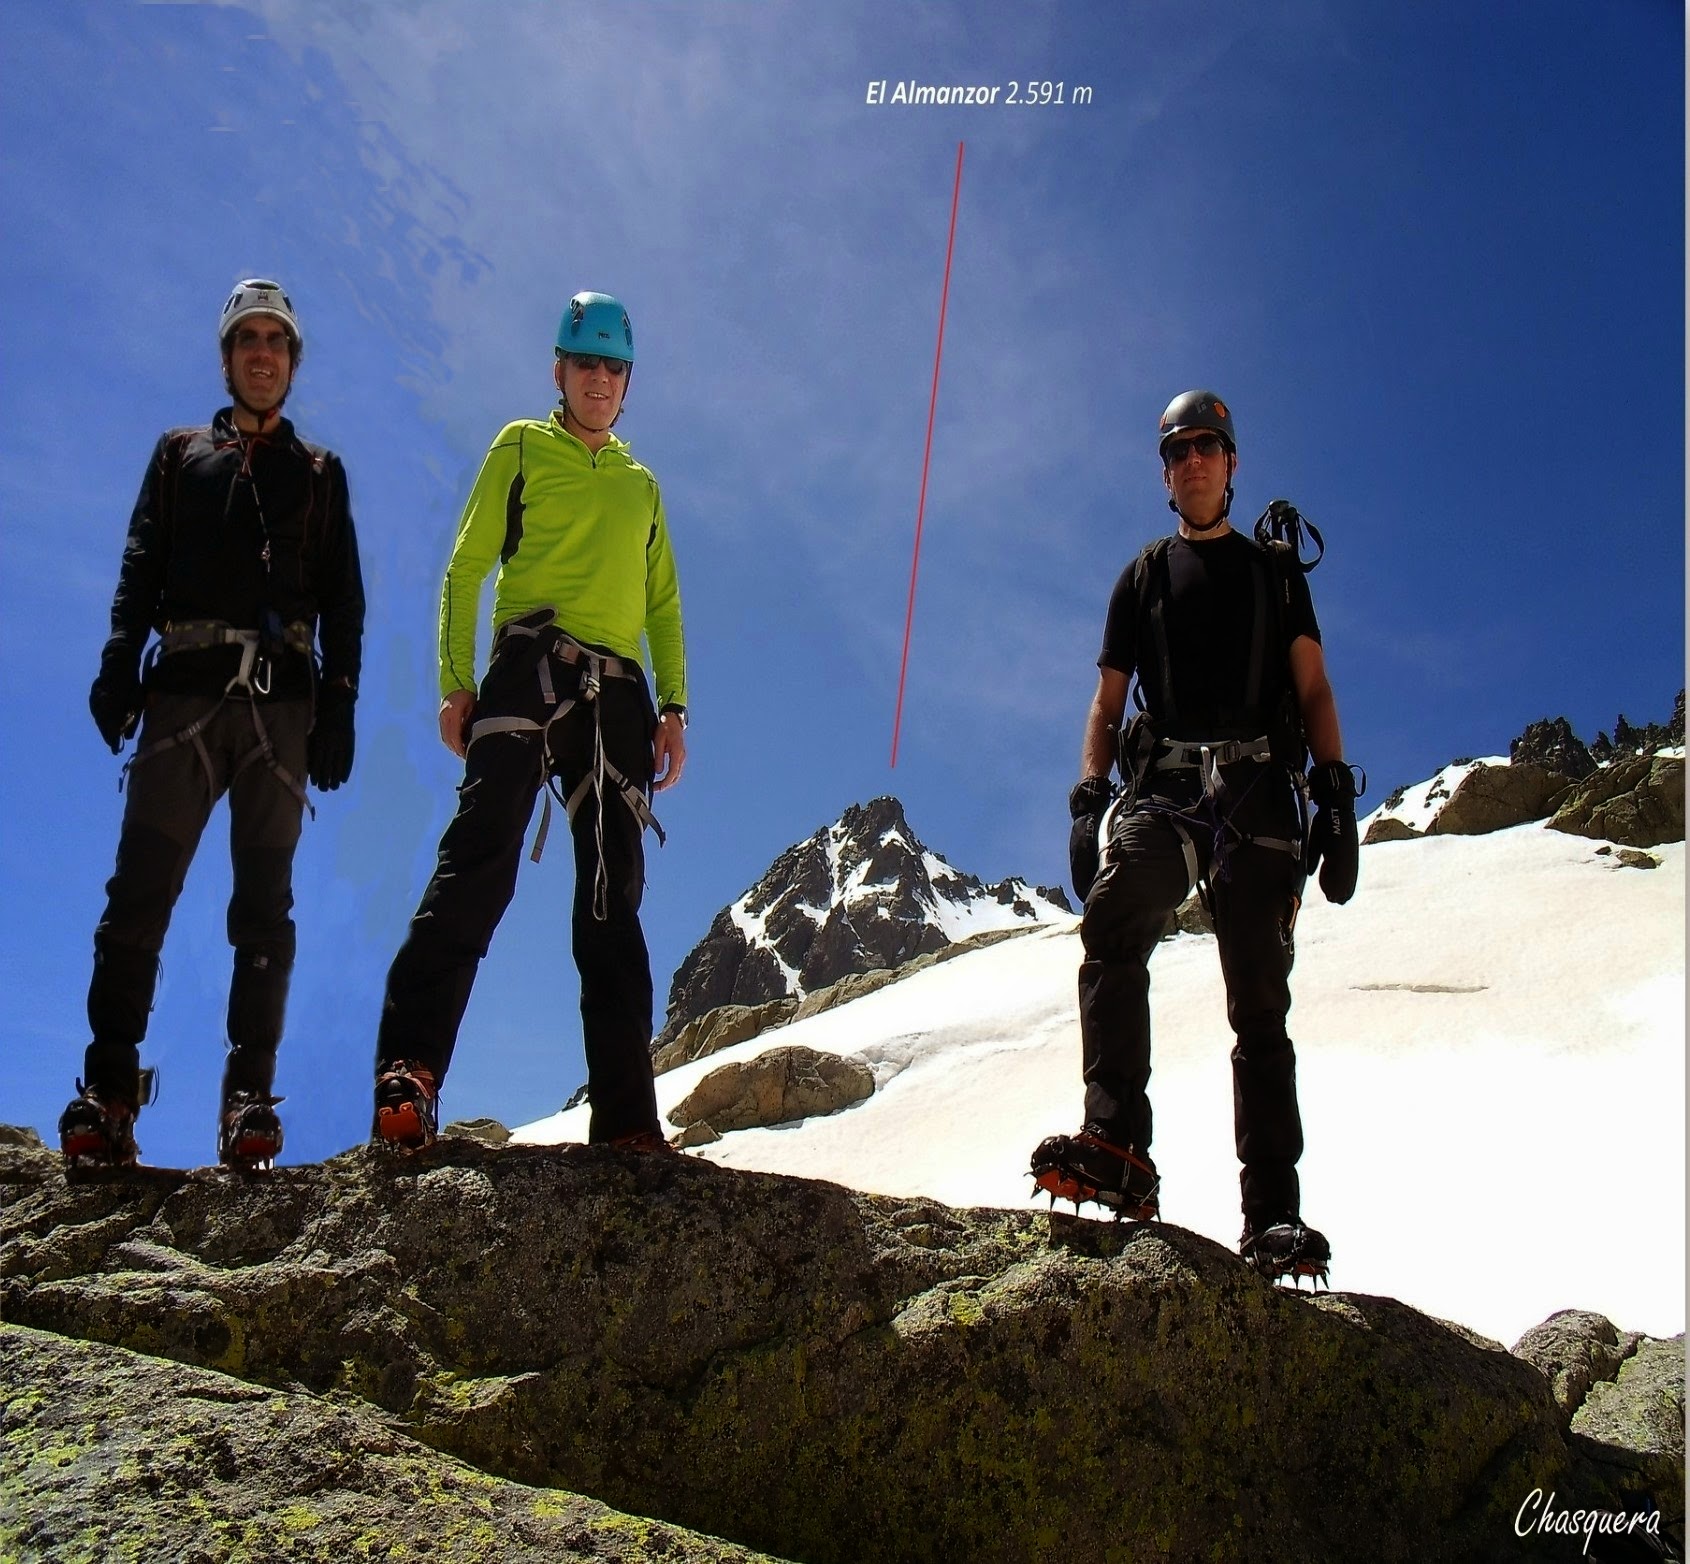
pixel 676 711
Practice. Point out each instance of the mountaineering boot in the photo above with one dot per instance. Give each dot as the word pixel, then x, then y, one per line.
pixel 1287 1248
pixel 249 1135
pixel 405 1107
pixel 640 1140
pixel 97 1130
pixel 1090 1166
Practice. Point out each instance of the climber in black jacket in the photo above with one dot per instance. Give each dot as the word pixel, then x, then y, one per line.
pixel 241 556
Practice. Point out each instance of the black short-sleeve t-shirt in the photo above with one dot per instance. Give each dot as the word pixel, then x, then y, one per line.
pixel 1209 615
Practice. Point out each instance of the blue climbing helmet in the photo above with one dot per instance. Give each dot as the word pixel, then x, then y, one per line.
pixel 596 323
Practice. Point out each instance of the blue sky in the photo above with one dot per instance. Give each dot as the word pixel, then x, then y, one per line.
pixel 1432 256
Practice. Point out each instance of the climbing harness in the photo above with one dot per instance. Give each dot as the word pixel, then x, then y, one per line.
pixel 251 678
pixel 551 641
pixel 1215 805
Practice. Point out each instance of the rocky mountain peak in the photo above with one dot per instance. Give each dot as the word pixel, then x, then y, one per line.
pixel 860 895
pixel 1629 739
pixel 1553 745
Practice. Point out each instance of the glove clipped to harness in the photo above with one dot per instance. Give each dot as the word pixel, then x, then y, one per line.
pixel 329 750
pixel 1087 801
pixel 116 698
pixel 1333 848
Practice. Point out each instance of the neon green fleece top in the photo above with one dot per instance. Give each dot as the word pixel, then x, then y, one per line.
pixel 579 533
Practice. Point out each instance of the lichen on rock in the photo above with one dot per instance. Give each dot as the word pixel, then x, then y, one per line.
pixel 806 1370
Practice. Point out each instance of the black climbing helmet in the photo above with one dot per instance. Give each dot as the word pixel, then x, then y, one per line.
pixel 1196 410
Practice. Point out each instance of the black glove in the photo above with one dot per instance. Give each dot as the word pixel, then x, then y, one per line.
pixel 1332 832
pixel 329 749
pixel 1087 801
pixel 115 698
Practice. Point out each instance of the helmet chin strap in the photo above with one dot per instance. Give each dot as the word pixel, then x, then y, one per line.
pixel 273 414
pixel 1226 506
pixel 569 412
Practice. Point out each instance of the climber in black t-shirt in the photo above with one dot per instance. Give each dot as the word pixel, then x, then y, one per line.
pixel 1208 617
pixel 1221 633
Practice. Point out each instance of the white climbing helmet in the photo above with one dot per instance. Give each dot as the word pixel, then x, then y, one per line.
pixel 257 296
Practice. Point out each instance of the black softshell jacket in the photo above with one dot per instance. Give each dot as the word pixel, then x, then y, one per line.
pixel 211 501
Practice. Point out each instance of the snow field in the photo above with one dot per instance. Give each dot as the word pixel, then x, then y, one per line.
pixel 1490 1044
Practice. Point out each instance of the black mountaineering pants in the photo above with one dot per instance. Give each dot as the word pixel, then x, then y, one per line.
pixel 428 986
pixel 169 799
pixel 1255 889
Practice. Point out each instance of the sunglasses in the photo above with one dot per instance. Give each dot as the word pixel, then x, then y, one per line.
pixel 616 367
pixel 276 339
pixel 1205 445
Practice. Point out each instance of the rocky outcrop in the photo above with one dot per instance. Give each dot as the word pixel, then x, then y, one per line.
pixel 779 1086
pixel 1389 828
pixel 1633 1424
pixel 489 1132
pixel 1631 740
pixel 858 985
pixel 1637 801
pixel 824 1375
pixel 1622 1398
pixel 1549 772
pixel 1552 745
pixel 1190 917
pixel 110 1454
pixel 1576 1349
pixel 722 969
pixel 721 1028
pixel 1492 798
pixel 861 895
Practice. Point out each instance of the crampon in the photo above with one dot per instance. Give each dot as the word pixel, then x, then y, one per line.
pixel 249 1135
pixel 97 1128
pixel 1089 1166
pixel 641 1140
pixel 1288 1249
pixel 405 1108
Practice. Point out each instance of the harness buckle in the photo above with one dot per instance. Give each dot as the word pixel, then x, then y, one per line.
pixel 249 655
pixel 1209 768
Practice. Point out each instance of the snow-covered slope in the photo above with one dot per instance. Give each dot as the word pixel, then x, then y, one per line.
pixel 1418 806
pixel 1491 1062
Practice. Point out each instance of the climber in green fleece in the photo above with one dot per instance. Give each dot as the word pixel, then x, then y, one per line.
pixel 577 528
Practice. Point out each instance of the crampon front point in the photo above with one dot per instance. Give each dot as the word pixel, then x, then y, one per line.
pixel 249 1135
pixel 406 1107
pixel 1088 1166
pixel 97 1128
pixel 1284 1250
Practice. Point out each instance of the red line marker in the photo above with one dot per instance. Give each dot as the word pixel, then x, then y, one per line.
pixel 926 458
